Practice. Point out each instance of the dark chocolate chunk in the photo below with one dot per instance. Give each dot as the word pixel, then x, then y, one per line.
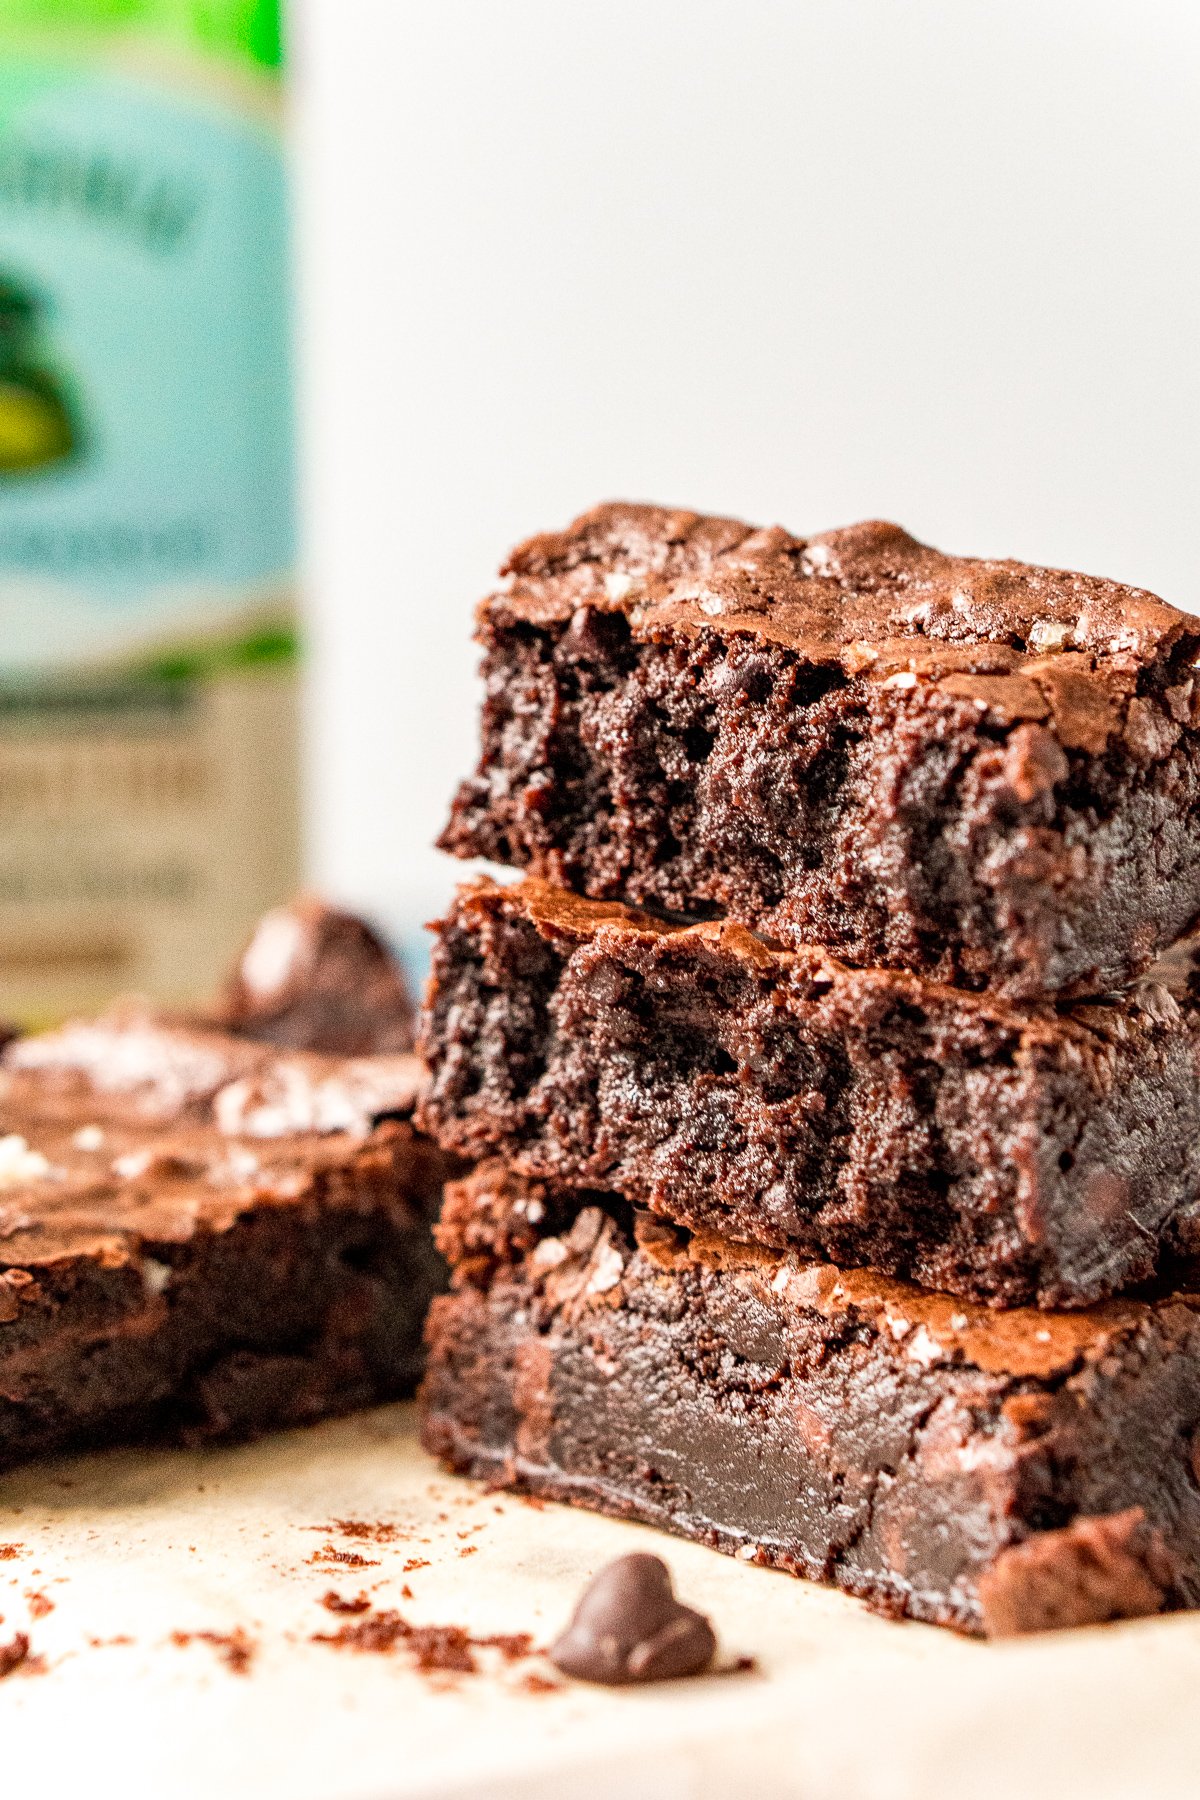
pixel 315 978
pixel 629 1627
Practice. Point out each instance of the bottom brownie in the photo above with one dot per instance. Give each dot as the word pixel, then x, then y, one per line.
pixel 992 1472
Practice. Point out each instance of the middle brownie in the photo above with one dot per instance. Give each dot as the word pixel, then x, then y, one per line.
pixel 1012 1154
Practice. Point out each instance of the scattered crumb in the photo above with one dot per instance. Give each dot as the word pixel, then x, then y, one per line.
pixel 533 1683
pixel 39 1604
pixel 741 1665
pixel 435 1649
pixel 406 1591
pixel 99 1643
pixel 16 1655
pixel 469 1550
pixel 377 1531
pixel 415 1562
pixel 512 1645
pixel 235 1648
pixel 348 1559
pixel 10 1552
pixel 337 1603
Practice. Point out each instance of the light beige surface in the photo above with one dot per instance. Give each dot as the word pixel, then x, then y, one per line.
pixel 845 1705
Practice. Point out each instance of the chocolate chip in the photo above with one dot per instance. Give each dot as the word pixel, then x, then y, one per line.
pixel 629 1627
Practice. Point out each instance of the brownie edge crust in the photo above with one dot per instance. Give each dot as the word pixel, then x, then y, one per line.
pixel 996 1473
pixel 983 771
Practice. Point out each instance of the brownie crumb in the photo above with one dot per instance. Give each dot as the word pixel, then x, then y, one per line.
pixel 338 1603
pixel 533 1683
pixel 415 1562
pixel 39 1604
pixel 435 1649
pixel 235 1648
pixel 16 1654
pixel 10 1552
pixel 348 1559
pixel 374 1532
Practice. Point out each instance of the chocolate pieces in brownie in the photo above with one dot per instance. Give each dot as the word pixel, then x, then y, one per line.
pixel 980 770
pixel 995 1472
pixel 1011 1153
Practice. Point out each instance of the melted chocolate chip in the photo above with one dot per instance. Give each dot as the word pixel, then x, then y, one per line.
pixel 629 1627
pixel 315 978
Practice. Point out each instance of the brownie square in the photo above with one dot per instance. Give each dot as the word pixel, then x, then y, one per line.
pixel 201 1237
pixel 1007 1152
pixel 982 771
pixel 994 1472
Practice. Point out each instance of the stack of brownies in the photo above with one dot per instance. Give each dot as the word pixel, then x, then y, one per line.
pixel 820 1080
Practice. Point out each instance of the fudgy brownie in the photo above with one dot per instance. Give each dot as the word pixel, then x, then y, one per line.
pixel 201 1237
pixel 983 771
pixel 995 1472
pixel 315 978
pixel 1010 1152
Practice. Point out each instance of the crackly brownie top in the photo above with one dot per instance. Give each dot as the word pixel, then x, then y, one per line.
pixel 1029 643
pixel 585 1256
pixel 316 978
pixel 125 1129
pixel 1164 998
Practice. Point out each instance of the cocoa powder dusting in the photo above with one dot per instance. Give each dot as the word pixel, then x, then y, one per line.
pixel 235 1648
pixel 346 1559
pixel 338 1603
pixel 435 1649
pixel 371 1531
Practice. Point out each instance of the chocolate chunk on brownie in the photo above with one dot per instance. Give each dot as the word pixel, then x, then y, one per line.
pixel 1009 1152
pixel 995 1472
pixel 983 771
pixel 315 978
pixel 201 1237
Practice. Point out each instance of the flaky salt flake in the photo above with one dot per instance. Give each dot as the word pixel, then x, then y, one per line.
pixel 18 1163
pixel 1050 634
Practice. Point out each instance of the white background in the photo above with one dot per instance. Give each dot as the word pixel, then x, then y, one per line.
pixel 806 261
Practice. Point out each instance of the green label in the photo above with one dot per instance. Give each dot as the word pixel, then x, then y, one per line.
pixel 248 30
pixel 145 381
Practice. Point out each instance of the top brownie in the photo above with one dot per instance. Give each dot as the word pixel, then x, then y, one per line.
pixel 979 770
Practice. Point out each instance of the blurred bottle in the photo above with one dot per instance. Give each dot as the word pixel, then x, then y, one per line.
pixel 148 807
